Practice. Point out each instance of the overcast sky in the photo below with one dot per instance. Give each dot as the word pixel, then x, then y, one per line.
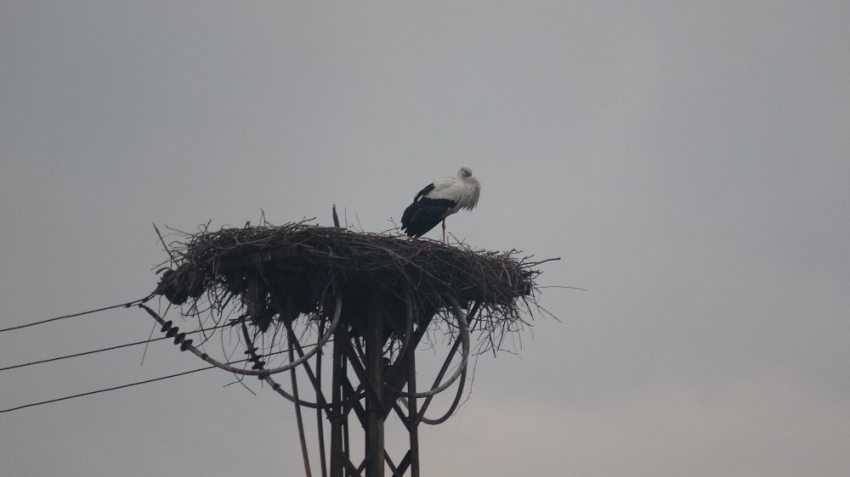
pixel 688 162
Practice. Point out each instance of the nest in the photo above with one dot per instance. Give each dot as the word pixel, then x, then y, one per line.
pixel 278 274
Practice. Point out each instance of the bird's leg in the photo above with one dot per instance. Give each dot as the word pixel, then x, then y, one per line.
pixel 444 230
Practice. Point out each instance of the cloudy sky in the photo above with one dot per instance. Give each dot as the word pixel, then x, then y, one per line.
pixel 688 162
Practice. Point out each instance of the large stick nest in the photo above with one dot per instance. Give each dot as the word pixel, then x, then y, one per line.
pixel 279 273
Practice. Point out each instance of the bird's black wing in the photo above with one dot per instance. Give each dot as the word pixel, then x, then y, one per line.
pixel 424 214
pixel 422 193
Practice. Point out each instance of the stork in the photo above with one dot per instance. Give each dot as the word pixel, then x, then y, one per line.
pixel 438 200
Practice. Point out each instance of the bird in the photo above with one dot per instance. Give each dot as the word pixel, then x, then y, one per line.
pixel 438 200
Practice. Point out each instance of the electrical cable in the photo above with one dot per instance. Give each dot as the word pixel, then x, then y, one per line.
pixel 101 350
pixel 139 302
pixel 115 388
pixel 41 322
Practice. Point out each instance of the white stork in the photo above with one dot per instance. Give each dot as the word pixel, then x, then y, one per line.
pixel 438 200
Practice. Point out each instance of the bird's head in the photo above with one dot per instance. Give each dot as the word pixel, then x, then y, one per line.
pixel 464 172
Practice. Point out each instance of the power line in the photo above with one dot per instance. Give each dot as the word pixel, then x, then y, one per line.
pixel 114 388
pixel 124 305
pixel 138 383
pixel 101 350
pixel 162 378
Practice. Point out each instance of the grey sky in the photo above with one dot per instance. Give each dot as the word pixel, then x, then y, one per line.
pixel 688 161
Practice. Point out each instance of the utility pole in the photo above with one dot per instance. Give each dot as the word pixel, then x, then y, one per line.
pixel 374 297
